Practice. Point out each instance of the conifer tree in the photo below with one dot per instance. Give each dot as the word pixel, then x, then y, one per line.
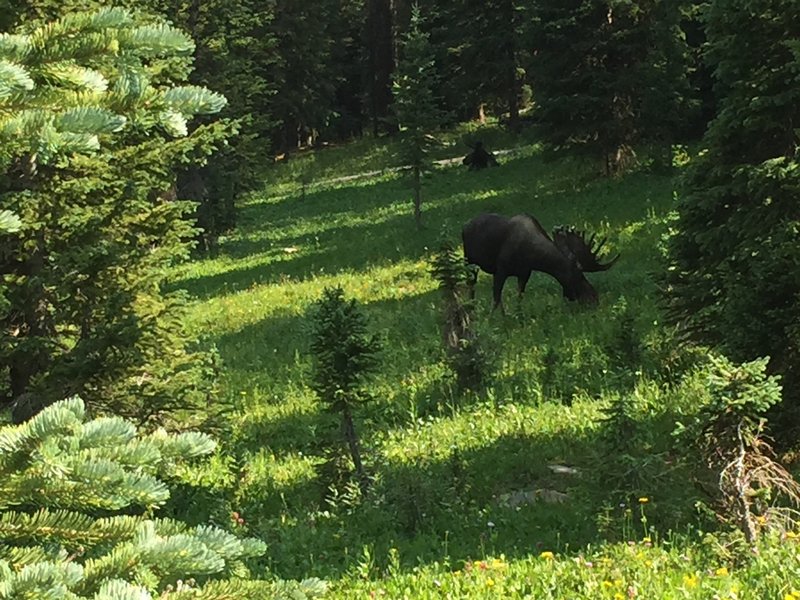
pixel 465 350
pixel 345 356
pixel 733 278
pixel 608 76
pixel 416 105
pixel 92 130
pixel 76 504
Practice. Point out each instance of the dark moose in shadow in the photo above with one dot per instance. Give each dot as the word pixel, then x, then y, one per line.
pixel 479 158
pixel 513 247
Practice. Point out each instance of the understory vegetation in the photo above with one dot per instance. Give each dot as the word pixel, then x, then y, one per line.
pixel 243 352
pixel 563 478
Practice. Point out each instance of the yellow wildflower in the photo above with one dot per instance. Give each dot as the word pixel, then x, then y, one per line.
pixel 607 584
pixel 547 554
pixel 788 597
pixel 796 593
pixel 790 535
pixel 490 582
pixel 644 500
pixel 648 563
pixel 647 540
pixel 498 563
pixel 722 571
pixel 619 596
pixel 761 519
pixel 690 581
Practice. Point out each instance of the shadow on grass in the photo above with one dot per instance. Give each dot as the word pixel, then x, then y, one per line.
pixel 430 509
pixel 472 504
pixel 353 228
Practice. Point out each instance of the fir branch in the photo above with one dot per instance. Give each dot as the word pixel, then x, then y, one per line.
pixel 13 79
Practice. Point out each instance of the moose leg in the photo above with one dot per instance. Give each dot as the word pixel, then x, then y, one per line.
pixel 522 281
pixel 497 287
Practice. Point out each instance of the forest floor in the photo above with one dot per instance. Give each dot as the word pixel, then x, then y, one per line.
pixel 526 490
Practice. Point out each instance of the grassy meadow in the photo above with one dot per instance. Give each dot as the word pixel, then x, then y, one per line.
pixel 526 490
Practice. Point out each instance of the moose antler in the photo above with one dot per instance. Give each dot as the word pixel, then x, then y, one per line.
pixel 584 251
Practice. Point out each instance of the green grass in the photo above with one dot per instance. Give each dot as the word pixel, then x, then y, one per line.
pixel 444 466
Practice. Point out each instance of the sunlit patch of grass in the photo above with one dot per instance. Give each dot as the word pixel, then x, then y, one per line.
pixel 441 462
pixel 234 311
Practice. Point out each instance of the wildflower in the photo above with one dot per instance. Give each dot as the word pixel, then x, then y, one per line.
pixel 607 584
pixel 796 593
pixel 644 500
pixel 790 535
pixel 722 571
pixel 690 581
pixel 761 519
pixel 788 597
pixel 547 554
pixel 490 582
pixel 498 563
pixel 490 524
pixel 647 540
pixel 648 563
pixel 619 596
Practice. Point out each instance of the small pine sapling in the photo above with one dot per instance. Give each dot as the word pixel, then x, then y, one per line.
pixel 345 355
pixel 729 433
pixel 416 105
pixel 464 351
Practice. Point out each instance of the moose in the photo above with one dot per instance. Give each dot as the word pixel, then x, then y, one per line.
pixel 513 247
pixel 479 158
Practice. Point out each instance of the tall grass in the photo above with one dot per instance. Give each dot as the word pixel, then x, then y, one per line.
pixel 456 478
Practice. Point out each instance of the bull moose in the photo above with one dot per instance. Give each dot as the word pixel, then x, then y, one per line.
pixel 513 247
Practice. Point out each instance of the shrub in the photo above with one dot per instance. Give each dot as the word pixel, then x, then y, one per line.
pixel 729 435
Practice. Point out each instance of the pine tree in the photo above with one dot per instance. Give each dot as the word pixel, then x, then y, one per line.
pixel 416 104
pixel 733 277
pixel 76 504
pixel 91 135
pixel 345 356
pixel 608 76
pixel 482 53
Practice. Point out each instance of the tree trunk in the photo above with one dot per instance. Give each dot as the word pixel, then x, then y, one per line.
pixel 349 432
pixel 417 196
pixel 513 83
pixel 381 60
